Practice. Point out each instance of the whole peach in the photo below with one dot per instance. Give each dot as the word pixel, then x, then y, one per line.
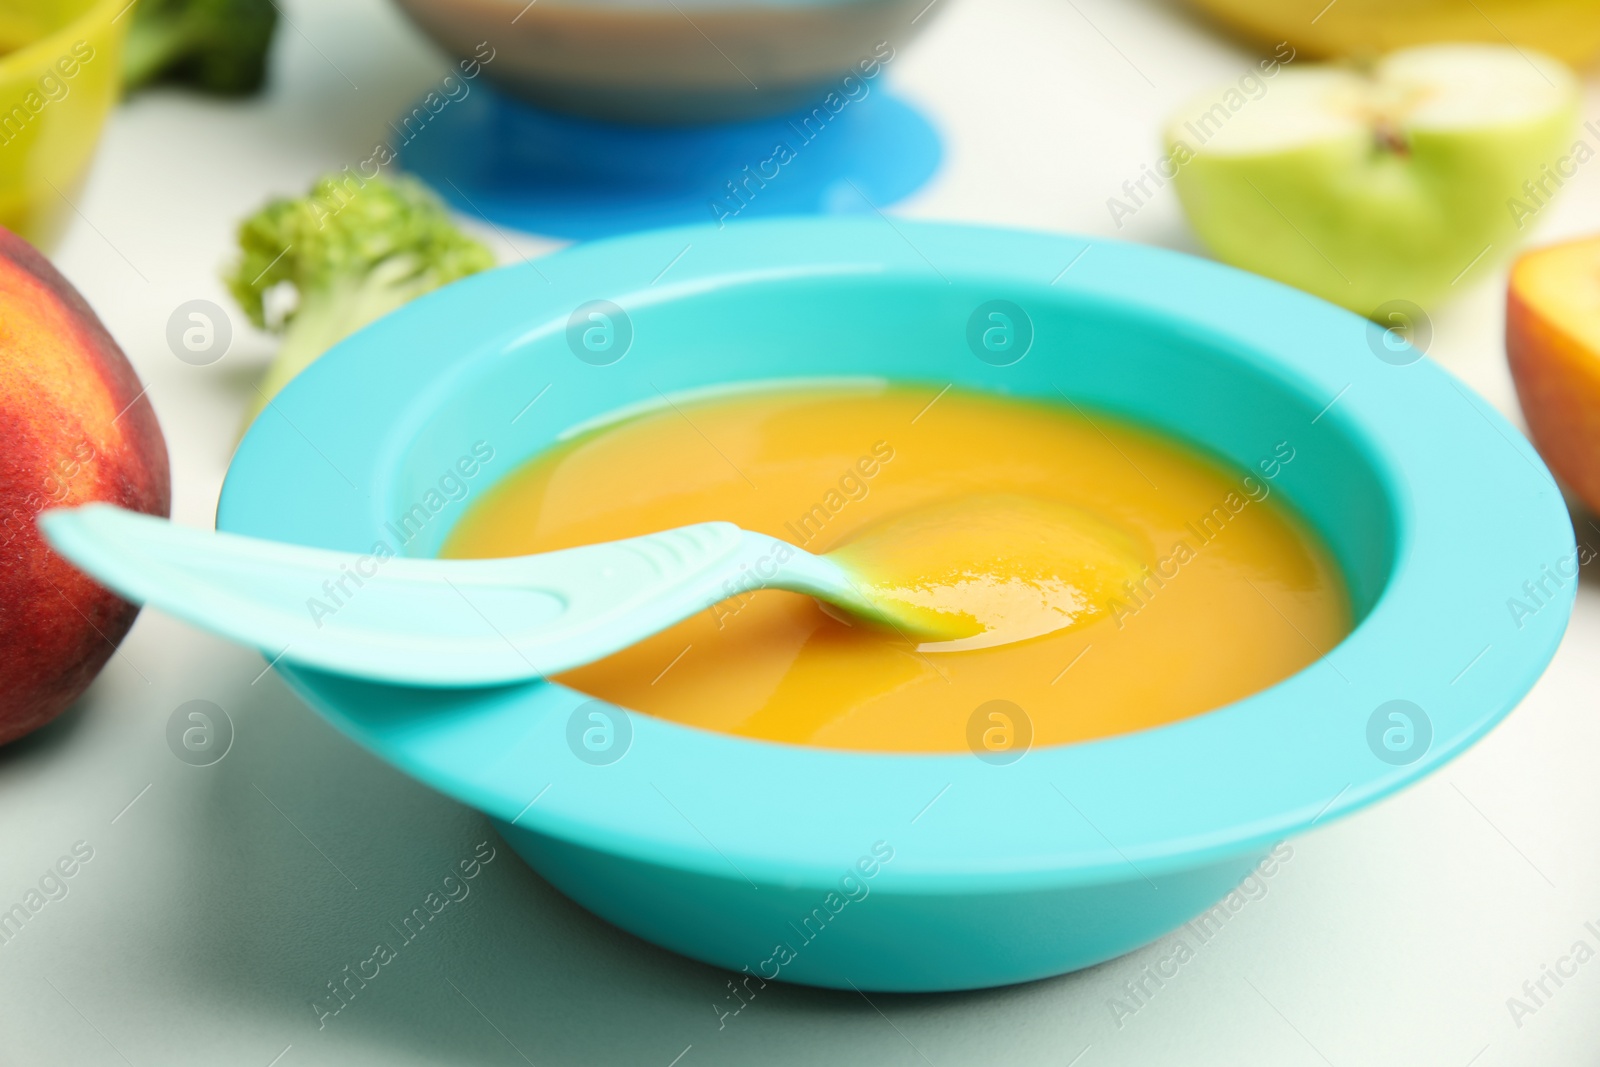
pixel 75 427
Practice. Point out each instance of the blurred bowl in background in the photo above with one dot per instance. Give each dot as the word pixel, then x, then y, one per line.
pixel 60 73
pixel 660 61
pixel 1566 29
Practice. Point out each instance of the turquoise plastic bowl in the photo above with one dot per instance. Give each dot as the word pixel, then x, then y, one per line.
pixel 770 857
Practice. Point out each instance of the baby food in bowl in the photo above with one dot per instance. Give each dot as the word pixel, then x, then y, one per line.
pixel 662 61
pixel 1106 577
pixel 723 789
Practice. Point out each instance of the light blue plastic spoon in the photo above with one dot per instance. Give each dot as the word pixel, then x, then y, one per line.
pixel 431 622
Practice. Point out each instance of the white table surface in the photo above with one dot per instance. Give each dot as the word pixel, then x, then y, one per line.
pixel 220 900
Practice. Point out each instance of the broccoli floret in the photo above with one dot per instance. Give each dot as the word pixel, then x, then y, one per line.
pixel 216 46
pixel 352 250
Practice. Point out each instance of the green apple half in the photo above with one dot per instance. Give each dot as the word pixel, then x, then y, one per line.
pixel 1395 183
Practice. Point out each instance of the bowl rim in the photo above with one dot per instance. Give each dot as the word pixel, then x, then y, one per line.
pixel 44 51
pixel 1115 810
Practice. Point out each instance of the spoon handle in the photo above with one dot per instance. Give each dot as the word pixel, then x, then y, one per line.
pixel 421 622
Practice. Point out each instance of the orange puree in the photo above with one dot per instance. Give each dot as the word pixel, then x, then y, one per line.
pixel 1158 582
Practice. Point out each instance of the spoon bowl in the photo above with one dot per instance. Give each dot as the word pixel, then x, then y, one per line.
pixel 988 569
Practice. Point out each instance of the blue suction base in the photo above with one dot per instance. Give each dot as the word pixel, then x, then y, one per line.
pixel 565 176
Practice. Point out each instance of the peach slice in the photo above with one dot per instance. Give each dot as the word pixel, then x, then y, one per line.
pixel 1553 345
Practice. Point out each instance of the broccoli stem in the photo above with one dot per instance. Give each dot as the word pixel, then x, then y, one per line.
pixel 215 46
pixel 328 316
pixel 149 49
